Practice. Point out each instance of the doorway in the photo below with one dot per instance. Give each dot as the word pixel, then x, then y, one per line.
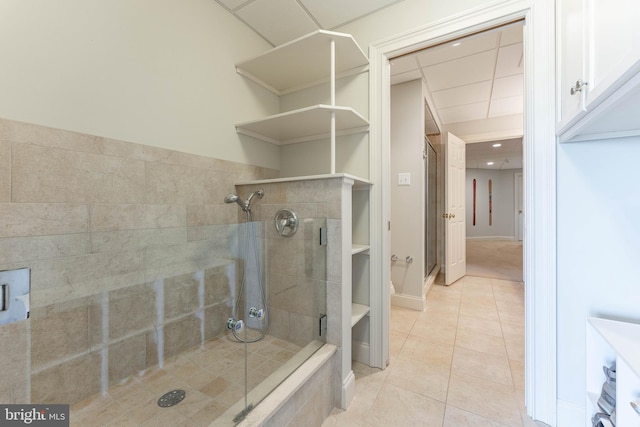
pixel 539 177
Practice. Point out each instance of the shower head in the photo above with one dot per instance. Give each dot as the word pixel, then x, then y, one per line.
pixel 258 193
pixel 231 198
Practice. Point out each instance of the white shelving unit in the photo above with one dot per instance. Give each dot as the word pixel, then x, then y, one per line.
pixel 319 58
pixel 358 311
pixel 609 342
pixel 305 62
pixel 305 124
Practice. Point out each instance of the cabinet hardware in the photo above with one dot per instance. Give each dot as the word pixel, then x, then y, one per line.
pixel 578 87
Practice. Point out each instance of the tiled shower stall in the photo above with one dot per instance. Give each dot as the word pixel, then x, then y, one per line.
pixel 131 251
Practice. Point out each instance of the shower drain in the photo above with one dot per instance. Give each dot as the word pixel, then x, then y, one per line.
pixel 171 398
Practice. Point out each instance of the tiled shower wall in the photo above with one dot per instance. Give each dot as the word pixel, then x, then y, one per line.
pixel 128 250
pixel 299 270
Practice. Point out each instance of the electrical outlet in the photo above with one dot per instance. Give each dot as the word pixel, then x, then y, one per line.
pixel 404 178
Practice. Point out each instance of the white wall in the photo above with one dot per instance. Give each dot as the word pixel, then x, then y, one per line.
pixel 407 202
pixel 156 72
pixel 598 247
pixel 502 198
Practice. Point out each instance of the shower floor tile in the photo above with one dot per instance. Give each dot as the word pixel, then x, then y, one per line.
pixel 212 376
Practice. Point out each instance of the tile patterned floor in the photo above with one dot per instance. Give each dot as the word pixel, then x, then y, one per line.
pixel 459 363
pixel 212 376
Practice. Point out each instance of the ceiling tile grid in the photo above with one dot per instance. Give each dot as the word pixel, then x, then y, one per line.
pixel 280 21
pixel 267 17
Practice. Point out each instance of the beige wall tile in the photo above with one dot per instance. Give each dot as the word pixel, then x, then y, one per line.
pixel 20 249
pixel 70 382
pixel 173 260
pixel 131 309
pixel 62 279
pixel 130 240
pixel 212 214
pixel 218 283
pixel 58 336
pixel 33 219
pixel 215 320
pixel 42 174
pixel 113 217
pixel 13 375
pixel 181 296
pixel 181 335
pixel 26 133
pixel 127 358
pixel 5 171
pixel 182 184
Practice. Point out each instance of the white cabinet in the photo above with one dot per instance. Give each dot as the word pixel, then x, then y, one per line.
pixel 598 58
pixel 609 342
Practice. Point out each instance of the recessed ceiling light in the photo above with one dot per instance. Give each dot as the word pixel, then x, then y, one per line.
pixel 489 163
pixel 456 44
pixel 497 145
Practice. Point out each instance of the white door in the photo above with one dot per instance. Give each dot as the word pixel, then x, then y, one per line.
pixel 455 232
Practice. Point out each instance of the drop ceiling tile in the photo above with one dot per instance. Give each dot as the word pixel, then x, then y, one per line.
pixel 403 64
pixel 468 46
pixel 506 106
pixel 464 113
pixel 232 4
pixel 331 13
pixel 506 87
pixel 510 60
pixel 468 94
pixel 512 34
pixel 278 21
pixel 460 72
pixel 406 77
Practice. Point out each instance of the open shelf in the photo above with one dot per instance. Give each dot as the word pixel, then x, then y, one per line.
pixel 613 342
pixel 303 62
pixel 624 339
pixel 358 311
pixel 358 249
pixel 305 124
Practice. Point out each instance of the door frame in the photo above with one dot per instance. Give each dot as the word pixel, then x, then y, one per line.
pixel 539 176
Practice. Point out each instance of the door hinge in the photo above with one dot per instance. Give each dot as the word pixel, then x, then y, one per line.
pixel 323 325
pixel 323 236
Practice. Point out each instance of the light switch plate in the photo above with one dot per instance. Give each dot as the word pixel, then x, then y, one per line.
pixel 404 178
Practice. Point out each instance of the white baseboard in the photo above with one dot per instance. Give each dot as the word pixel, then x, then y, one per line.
pixel 491 238
pixel 348 390
pixel 408 301
pixel 360 352
pixel 570 415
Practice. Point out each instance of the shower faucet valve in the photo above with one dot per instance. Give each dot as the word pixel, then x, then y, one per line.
pixel 254 312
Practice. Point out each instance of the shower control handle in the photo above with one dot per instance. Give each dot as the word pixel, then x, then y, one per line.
pixel 286 222
pixel 257 313
pixel 234 324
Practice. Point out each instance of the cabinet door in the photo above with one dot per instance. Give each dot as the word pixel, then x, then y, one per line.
pixel 571 46
pixel 614 43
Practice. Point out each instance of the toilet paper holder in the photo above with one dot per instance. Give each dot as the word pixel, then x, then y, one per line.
pixel 408 259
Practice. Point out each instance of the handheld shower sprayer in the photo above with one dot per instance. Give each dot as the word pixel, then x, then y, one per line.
pixel 245 205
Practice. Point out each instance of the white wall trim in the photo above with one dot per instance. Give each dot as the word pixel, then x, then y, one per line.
pixel 408 301
pixel 491 238
pixel 539 170
pixel 570 414
pixel 360 351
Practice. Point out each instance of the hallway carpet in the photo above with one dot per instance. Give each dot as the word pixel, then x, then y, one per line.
pixel 498 259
